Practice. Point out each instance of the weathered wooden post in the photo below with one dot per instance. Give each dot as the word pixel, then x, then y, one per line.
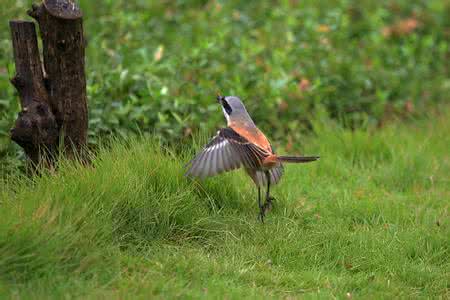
pixel 52 95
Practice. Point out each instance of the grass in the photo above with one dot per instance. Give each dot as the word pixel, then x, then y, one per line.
pixel 370 219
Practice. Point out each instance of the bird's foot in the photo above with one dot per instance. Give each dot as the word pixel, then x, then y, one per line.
pixel 268 205
pixel 262 213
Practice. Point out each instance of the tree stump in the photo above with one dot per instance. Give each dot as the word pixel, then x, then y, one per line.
pixel 52 95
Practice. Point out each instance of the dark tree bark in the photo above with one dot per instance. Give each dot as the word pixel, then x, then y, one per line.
pixel 61 27
pixel 35 128
pixel 60 90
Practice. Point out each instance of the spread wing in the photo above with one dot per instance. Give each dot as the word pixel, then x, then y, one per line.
pixel 225 152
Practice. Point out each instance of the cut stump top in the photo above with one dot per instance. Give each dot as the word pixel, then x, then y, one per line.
pixel 65 9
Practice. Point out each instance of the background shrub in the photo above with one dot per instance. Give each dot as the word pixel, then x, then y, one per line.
pixel 156 66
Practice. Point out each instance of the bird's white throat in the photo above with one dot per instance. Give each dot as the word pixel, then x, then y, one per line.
pixel 226 115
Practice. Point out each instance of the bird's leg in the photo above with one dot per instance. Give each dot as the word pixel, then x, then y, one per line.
pixel 261 207
pixel 268 203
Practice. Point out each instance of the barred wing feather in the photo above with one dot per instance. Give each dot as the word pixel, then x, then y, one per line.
pixel 225 152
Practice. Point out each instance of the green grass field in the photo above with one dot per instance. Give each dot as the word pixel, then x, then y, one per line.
pixel 370 219
pixel 364 84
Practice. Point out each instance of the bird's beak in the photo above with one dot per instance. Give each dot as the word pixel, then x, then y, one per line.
pixel 220 99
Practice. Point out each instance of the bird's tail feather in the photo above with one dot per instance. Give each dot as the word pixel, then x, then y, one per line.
pixel 297 159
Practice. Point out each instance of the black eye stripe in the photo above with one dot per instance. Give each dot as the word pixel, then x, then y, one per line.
pixel 227 107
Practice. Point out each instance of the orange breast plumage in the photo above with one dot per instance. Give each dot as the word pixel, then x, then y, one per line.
pixel 253 135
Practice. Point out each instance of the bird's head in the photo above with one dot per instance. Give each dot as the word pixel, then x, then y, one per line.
pixel 233 108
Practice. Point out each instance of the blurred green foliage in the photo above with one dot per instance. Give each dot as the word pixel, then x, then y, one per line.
pixel 156 66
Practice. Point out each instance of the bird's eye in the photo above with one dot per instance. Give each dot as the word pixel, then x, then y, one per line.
pixel 227 107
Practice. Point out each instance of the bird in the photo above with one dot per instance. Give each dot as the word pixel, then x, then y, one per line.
pixel 242 144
